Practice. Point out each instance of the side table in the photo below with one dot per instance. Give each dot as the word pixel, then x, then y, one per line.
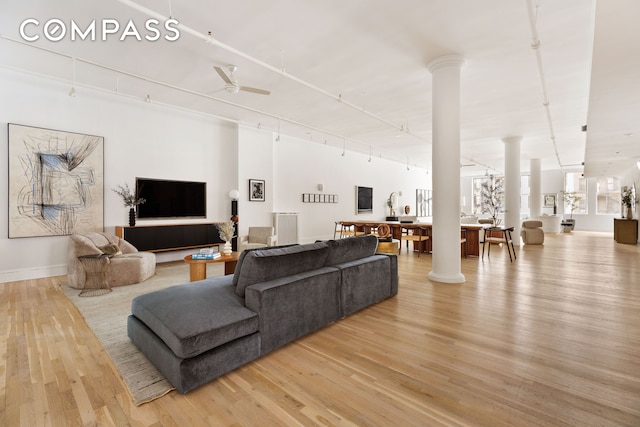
pixel 95 267
pixel 198 267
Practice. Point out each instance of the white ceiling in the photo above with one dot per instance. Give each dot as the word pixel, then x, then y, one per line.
pixel 354 72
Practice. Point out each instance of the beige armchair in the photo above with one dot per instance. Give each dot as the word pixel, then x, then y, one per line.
pixel 258 237
pixel 125 264
pixel 532 233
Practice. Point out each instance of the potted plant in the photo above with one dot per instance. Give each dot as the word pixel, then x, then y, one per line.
pixel 492 193
pixel 627 201
pixel 571 200
pixel 129 200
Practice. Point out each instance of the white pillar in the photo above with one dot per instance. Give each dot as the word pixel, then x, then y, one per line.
pixel 446 263
pixel 512 185
pixel 535 192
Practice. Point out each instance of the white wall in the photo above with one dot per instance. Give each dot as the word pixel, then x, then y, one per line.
pixel 291 167
pixel 140 139
pixel 255 161
pixel 301 165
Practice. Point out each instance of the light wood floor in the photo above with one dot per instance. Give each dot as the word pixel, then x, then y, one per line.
pixel 552 339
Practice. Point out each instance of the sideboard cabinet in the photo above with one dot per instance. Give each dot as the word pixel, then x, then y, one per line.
pixel 625 231
pixel 158 238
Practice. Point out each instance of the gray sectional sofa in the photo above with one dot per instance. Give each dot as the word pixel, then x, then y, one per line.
pixel 198 331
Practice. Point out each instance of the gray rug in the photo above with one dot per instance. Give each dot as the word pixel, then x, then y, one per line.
pixel 106 315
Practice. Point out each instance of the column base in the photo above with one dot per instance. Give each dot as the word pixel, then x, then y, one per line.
pixel 446 278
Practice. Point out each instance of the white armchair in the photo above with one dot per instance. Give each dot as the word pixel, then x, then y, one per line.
pixel 258 237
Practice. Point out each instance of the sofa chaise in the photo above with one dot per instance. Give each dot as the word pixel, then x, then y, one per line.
pixel 196 332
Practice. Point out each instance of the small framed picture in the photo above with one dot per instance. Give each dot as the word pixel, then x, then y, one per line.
pixel 256 190
pixel 549 200
pixel 305 198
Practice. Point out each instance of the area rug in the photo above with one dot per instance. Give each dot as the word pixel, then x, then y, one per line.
pixel 106 315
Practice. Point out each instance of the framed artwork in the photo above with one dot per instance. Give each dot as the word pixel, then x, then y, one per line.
pixel 56 182
pixel 256 190
pixel 549 200
pixel 423 202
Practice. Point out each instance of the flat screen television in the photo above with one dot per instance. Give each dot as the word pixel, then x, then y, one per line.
pixel 171 199
pixel 364 199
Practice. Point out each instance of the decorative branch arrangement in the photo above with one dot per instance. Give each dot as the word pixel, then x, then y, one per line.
pixel 226 230
pixel 492 198
pixel 571 199
pixel 127 196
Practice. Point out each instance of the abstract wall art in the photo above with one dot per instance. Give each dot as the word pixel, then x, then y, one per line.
pixel 55 182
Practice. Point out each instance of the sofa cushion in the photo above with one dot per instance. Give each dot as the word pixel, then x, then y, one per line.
pixel 236 274
pixel 110 249
pixel 209 314
pixel 262 265
pixel 350 249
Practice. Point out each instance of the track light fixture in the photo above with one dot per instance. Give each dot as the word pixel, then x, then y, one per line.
pixel 147 99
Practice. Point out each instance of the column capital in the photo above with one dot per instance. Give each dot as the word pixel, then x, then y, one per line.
pixel 445 61
pixel 510 139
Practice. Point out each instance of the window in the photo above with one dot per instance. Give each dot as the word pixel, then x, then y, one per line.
pixel 524 195
pixel 608 196
pixel 575 190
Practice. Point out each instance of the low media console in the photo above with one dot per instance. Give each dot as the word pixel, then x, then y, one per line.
pixel 171 237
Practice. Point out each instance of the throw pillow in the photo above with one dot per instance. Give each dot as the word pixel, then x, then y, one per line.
pixel 111 249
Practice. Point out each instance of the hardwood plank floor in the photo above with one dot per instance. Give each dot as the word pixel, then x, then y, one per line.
pixel 552 339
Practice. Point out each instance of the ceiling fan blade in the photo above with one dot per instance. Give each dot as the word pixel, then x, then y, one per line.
pixel 223 75
pixel 254 90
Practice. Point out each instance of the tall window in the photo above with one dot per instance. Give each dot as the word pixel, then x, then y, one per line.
pixel 608 196
pixel 524 195
pixel 575 185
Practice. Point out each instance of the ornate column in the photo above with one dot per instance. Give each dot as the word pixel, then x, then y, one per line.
pixel 512 185
pixel 446 263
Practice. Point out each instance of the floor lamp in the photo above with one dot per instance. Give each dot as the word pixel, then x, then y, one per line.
pixel 234 195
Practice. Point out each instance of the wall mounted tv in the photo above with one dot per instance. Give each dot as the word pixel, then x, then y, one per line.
pixel 171 199
pixel 364 199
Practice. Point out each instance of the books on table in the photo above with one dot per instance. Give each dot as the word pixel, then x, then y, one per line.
pixel 206 256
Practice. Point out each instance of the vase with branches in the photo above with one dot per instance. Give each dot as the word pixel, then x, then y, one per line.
pixel 628 201
pixel 130 201
pixel 492 196
pixel 226 230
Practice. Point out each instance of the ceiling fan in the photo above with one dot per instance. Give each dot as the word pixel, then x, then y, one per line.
pixel 231 84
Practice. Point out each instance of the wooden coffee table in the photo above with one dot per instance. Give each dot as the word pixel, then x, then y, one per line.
pixel 198 267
